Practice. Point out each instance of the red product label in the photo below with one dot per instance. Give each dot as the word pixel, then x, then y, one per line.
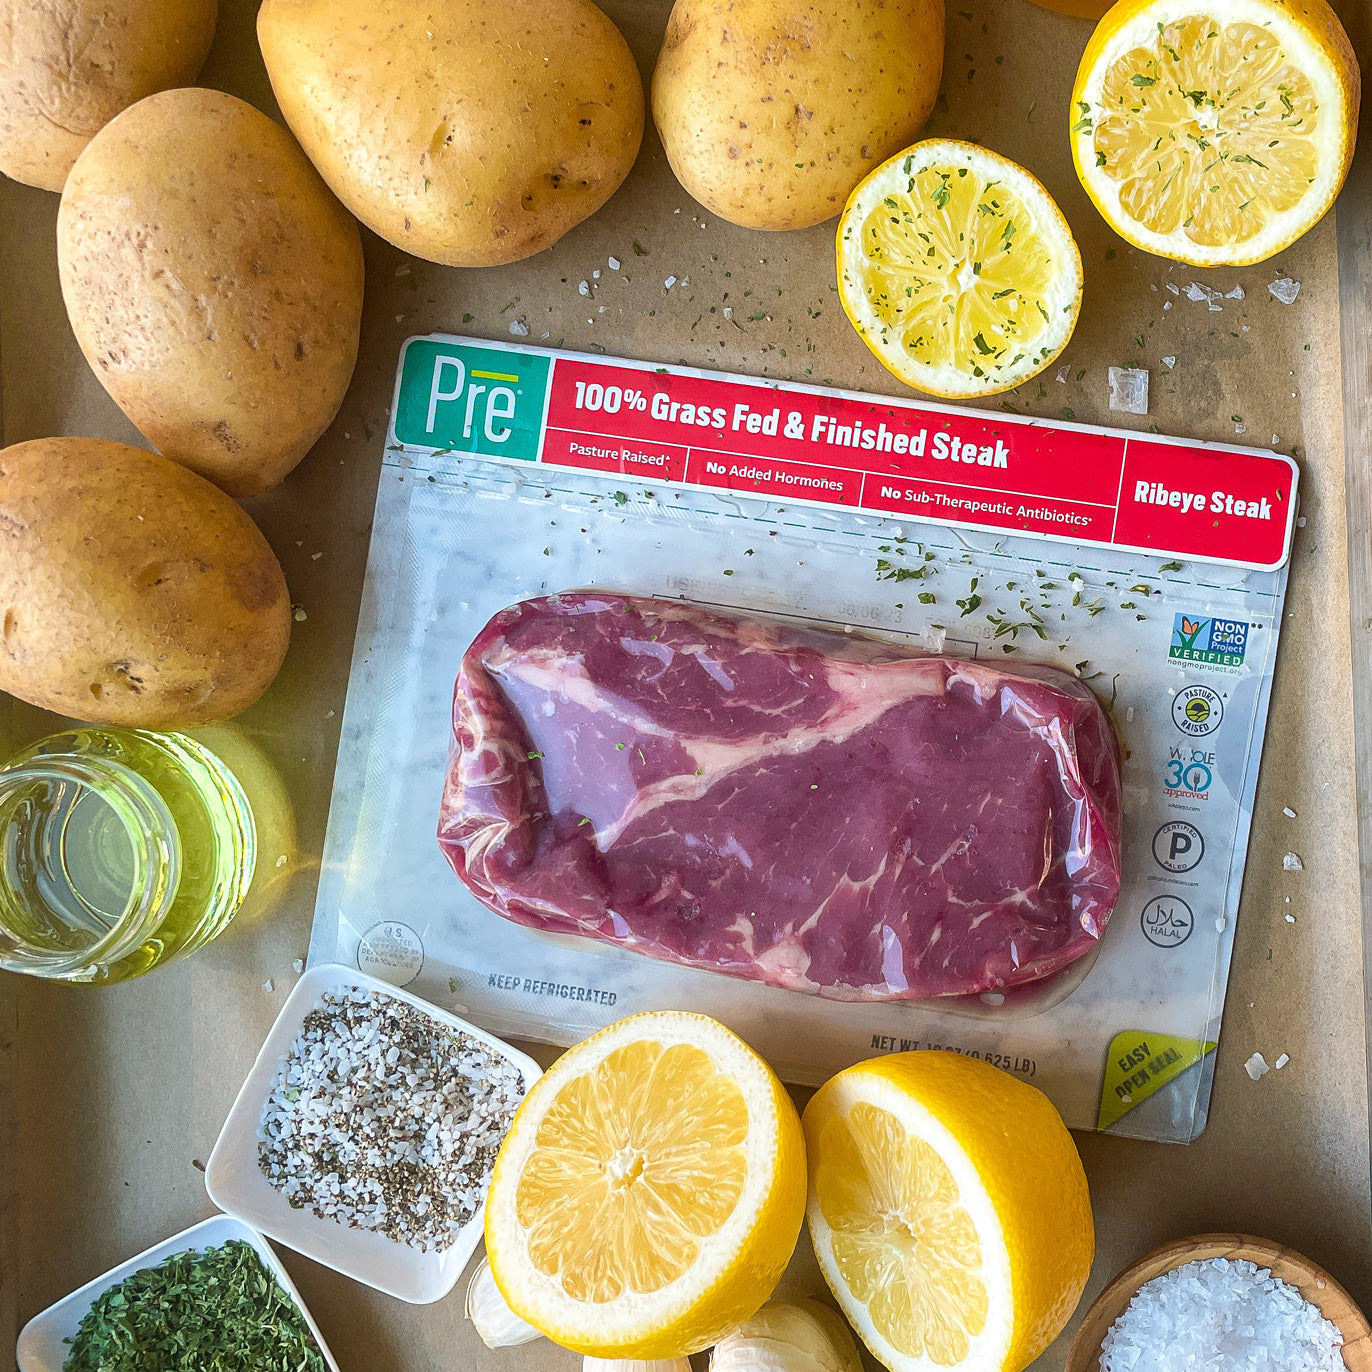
pixel 1234 506
pixel 932 463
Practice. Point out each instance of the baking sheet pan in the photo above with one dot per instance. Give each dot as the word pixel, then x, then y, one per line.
pixel 117 1094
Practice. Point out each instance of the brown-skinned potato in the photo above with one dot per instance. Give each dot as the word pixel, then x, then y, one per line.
pixel 213 283
pixel 132 591
pixel 471 134
pixel 67 67
pixel 771 111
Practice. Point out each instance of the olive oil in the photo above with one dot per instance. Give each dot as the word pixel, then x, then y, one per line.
pixel 119 850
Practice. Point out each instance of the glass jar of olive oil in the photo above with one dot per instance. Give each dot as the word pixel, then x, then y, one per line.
pixel 119 850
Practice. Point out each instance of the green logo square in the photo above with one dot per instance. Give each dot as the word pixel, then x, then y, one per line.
pixel 463 397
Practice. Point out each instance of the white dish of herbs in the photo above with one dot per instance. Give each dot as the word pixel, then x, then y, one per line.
pixel 43 1345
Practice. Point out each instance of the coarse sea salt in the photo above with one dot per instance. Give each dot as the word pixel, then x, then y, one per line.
pixel 1221 1315
pixel 1128 389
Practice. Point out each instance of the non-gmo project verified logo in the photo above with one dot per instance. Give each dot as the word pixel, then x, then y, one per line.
pixel 1213 642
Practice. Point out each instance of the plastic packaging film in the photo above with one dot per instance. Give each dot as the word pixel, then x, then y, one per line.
pixel 1179 651
pixel 806 809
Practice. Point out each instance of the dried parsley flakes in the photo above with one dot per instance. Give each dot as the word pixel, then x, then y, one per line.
pixel 219 1310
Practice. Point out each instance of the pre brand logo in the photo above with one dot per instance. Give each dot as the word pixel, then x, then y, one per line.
pixel 461 397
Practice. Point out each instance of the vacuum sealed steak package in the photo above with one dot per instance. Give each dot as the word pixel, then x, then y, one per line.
pixel 812 696
pixel 815 810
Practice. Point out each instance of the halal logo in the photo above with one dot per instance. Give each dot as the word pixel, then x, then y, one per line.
pixel 1167 921
pixel 1197 711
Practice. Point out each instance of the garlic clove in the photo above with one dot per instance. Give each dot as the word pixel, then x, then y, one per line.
pixel 789 1335
pixel 589 1364
pixel 487 1309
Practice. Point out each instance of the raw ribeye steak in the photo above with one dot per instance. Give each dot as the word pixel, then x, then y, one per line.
pixel 808 808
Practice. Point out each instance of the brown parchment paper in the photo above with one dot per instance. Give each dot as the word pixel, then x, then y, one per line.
pixel 111 1099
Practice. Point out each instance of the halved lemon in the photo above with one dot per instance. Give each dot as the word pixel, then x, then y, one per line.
pixel 1215 132
pixel 650 1192
pixel 949 1211
pixel 958 270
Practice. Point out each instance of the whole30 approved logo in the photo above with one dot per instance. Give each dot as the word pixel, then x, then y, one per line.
pixel 1211 642
pixel 460 397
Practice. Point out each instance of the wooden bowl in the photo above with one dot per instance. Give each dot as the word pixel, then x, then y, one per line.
pixel 1316 1285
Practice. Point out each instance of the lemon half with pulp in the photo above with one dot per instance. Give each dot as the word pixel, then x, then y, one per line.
pixel 650 1191
pixel 958 269
pixel 949 1211
pixel 1215 133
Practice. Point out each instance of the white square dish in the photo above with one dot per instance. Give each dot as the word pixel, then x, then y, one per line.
pixel 42 1341
pixel 238 1186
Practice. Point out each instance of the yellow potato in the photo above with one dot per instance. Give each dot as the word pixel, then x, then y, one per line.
pixel 771 111
pixel 67 67
pixel 471 133
pixel 213 283
pixel 132 591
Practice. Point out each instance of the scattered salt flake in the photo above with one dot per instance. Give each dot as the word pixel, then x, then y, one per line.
pixel 1235 294
pixel 1256 1067
pixel 300 615
pixel 728 312
pixel 1167 304
pixel 1063 374
pixel 1282 1061
pixel 519 328
pixel 614 264
pixel 403 269
pixel 669 283
pixel 596 274
pixel 1128 389
pixel 282 860
pixel 1221 924
pixel 268 986
pixel 1221 1315
pixel 1173 287
pixel 1288 812
pixel 400 319
pixel 1292 863
pixel 1169 362
pixel 1284 289
pixel 1195 291
pixel 584 288
pixel 993 998
pixel 298 966
pixel 1300 521
pixel 1290 919
pixel 1240 428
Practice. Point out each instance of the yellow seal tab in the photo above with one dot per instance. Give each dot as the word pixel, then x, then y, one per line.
pixel 1140 1063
